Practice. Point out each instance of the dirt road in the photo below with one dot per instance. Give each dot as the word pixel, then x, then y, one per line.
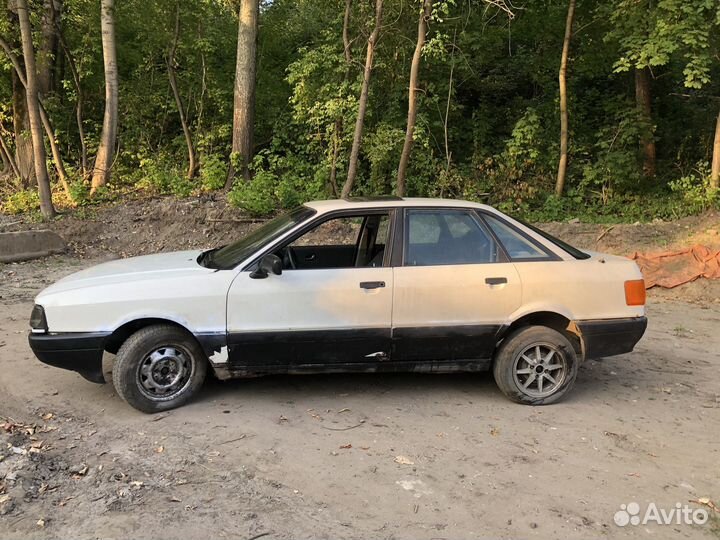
pixel 382 456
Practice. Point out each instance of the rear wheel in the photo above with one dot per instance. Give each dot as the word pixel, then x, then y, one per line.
pixel 535 365
pixel 159 368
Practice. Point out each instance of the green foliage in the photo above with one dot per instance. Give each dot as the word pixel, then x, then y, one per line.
pixel 523 148
pixel 615 165
pixel 695 190
pixel 487 126
pixel 162 177
pixel 80 192
pixel 213 172
pixel 257 197
pixel 653 33
pixel 21 202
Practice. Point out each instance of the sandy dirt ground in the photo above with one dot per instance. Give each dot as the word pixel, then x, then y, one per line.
pixel 363 456
pixel 381 456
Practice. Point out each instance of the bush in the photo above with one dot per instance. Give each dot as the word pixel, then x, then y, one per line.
pixel 695 190
pixel 79 192
pixel 159 176
pixel 213 172
pixel 21 202
pixel 257 197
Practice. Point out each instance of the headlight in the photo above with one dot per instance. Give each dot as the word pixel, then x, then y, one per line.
pixel 38 320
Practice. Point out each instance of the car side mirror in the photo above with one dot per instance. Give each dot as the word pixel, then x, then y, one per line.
pixel 269 264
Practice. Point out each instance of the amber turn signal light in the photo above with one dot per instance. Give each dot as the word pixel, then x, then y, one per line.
pixel 635 292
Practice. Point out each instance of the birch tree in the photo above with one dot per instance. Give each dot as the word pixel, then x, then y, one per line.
pixel 363 101
pixel 412 95
pixel 108 137
pixel 33 107
pixel 562 79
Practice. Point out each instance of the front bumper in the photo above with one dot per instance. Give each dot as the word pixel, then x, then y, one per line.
pixel 81 352
pixel 608 337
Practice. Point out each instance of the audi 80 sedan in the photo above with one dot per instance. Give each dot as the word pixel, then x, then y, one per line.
pixel 356 285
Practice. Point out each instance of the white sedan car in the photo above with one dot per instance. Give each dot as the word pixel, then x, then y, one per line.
pixel 359 285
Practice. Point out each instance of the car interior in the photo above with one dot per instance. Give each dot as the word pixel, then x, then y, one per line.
pixel 342 242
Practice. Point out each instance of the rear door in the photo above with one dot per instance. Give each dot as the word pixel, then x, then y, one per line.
pixel 453 287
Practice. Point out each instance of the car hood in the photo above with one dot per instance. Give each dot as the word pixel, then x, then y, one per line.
pixel 131 269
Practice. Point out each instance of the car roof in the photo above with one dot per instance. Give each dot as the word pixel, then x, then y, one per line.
pixel 389 202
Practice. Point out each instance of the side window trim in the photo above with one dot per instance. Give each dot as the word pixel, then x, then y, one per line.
pixel 549 255
pixel 400 247
pixel 319 220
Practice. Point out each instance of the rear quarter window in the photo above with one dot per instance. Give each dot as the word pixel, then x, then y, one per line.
pixel 516 244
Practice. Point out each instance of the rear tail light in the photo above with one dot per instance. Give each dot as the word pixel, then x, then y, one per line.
pixel 635 292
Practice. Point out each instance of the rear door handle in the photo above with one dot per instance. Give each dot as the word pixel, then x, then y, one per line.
pixel 495 280
pixel 372 284
pixel 310 257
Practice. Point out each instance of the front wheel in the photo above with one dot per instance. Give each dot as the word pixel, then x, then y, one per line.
pixel 535 365
pixel 159 368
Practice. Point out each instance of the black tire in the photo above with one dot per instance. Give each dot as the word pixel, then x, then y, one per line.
pixel 541 383
pixel 161 353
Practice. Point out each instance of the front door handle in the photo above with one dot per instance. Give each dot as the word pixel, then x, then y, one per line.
pixel 372 284
pixel 310 257
pixel 495 280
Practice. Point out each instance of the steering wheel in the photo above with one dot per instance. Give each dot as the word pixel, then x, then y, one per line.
pixel 289 259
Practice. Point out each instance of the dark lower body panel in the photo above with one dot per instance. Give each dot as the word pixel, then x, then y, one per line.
pixel 301 347
pixel 435 349
pixel 81 352
pixel 608 337
pixel 419 349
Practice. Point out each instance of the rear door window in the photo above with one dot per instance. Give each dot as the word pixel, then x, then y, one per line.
pixel 442 237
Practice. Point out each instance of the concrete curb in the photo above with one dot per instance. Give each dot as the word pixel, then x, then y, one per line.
pixel 27 245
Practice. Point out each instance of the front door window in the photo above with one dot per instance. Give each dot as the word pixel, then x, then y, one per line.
pixel 341 242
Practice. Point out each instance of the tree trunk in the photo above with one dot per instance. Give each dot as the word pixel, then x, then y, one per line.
pixel 31 92
pixel 346 33
pixel 21 129
pixel 79 103
pixel 244 99
pixel 643 100
pixel 8 158
pixel 7 167
pixel 108 137
pixel 54 149
pixel 48 48
pixel 335 155
pixel 339 127
pixel 562 79
pixel 45 120
pixel 448 101
pixel 412 96
pixel 192 159
pixel 715 171
pixel 362 103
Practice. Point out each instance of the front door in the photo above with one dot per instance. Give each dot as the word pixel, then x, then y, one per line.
pixel 331 305
pixel 453 290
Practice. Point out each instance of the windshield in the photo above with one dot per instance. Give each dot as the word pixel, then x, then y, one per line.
pixel 233 254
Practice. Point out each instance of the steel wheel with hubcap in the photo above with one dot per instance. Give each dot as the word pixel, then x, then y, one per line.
pixel 158 368
pixel 536 365
pixel 165 372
